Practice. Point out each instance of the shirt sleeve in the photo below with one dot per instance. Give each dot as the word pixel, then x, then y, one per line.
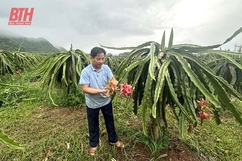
pixel 109 71
pixel 85 78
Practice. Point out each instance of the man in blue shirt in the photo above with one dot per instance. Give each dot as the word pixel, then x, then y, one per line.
pixel 94 79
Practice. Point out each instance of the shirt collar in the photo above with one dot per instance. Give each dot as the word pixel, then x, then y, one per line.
pixel 95 69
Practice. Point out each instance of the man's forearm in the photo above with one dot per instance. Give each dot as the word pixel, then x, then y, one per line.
pixel 93 90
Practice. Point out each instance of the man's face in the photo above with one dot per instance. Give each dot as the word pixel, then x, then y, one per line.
pixel 98 61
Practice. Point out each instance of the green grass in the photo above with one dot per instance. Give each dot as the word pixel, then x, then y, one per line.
pixel 45 136
pixel 220 142
pixel 216 142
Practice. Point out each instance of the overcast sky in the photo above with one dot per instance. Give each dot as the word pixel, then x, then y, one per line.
pixel 88 23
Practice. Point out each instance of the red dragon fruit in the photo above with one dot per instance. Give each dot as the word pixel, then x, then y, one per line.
pixel 126 90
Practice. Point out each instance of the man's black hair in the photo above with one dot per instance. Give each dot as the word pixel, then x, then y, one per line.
pixel 97 50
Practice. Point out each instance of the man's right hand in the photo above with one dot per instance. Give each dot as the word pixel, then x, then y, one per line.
pixel 106 92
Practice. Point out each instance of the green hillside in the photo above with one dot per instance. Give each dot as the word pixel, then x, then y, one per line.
pixel 33 45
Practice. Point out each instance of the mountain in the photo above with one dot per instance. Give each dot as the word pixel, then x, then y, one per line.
pixel 11 42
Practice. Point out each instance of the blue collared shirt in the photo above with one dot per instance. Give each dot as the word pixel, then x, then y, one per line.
pixel 96 79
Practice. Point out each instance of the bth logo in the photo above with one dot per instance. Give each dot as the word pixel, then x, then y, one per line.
pixel 21 16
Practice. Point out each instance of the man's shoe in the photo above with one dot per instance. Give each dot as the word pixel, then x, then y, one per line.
pixel 118 144
pixel 92 151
